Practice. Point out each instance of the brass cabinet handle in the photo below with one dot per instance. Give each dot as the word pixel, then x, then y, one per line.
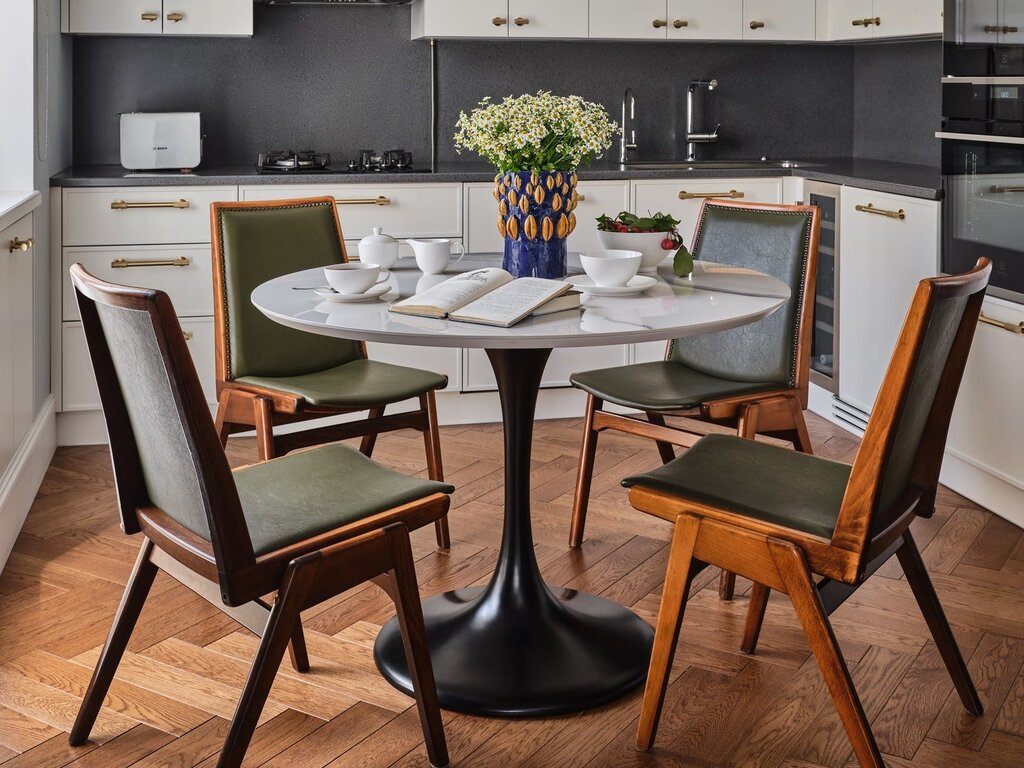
pixel 521 21
pixel 175 17
pixel 993 29
pixel 1006 190
pixel 860 22
pixel 580 198
pixel 1016 328
pixel 122 205
pixel 1004 30
pixel 757 25
pixel 877 21
pixel 188 335
pixel 151 17
pixel 1011 30
pixel 379 200
pixel 21 245
pixel 181 261
pixel 499 21
pixel 659 23
pixel 680 23
pixel 732 194
pixel 870 208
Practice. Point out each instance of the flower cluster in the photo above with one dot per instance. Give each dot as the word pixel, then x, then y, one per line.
pixel 538 132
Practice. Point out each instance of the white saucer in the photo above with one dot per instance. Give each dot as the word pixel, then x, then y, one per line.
pixel 371 294
pixel 638 284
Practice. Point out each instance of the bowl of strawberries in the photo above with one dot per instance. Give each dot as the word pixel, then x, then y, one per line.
pixel 655 236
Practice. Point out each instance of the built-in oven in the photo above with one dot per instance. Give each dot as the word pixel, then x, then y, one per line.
pixel 983 140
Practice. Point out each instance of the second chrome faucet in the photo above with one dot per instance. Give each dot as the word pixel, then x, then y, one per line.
pixel 693 138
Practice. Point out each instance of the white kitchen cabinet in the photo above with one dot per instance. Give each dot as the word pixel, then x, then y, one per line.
pixel 889 243
pixel 705 19
pixel 847 19
pixel 866 19
pixel 460 18
pixel 543 18
pixel 16 331
pixel 779 20
pixel 636 20
pixel 223 18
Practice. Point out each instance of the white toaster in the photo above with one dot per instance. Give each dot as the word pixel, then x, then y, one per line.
pixel 153 141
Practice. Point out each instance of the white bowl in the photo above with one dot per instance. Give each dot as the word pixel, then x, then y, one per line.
pixel 647 243
pixel 353 277
pixel 610 269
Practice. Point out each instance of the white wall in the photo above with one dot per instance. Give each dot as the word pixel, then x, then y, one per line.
pixel 16 172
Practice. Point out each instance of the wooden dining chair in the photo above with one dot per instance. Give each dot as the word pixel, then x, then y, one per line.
pixel 268 374
pixel 752 379
pixel 779 517
pixel 304 527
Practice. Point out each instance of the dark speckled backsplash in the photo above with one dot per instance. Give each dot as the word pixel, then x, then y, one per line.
pixel 343 79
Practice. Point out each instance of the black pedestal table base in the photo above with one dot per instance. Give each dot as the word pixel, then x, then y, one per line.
pixel 518 647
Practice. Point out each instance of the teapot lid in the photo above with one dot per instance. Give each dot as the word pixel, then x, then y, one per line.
pixel 378 236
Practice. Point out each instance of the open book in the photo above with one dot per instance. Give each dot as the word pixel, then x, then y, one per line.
pixel 487 296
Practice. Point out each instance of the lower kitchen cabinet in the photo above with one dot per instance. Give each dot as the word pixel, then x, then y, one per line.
pixel 888 243
pixel 16 331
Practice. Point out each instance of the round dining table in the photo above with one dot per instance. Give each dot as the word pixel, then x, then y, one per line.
pixel 518 647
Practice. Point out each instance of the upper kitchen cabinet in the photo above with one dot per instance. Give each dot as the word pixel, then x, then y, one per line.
pixel 704 19
pixel 779 20
pixel 992 22
pixel 500 18
pixel 641 20
pixel 866 19
pixel 224 18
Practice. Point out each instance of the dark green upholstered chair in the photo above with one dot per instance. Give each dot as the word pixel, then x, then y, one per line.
pixel 753 379
pixel 268 374
pixel 779 517
pixel 306 526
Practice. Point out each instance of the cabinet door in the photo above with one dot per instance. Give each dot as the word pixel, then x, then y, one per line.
pixel 778 19
pixel 978 22
pixel 460 18
pixel 881 261
pixel 705 19
pixel 683 198
pixel 201 17
pixel 846 19
pixel 115 17
pixel 904 18
pixel 1011 16
pixel 542 18
pixel 596 198
pixel 19 281
pixel 637 20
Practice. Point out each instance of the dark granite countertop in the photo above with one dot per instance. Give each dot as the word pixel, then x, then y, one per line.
pixel 877 175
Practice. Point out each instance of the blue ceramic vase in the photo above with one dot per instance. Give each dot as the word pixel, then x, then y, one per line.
pixel 535 218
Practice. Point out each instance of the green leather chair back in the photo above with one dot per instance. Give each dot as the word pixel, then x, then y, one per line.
pixel 778 243
pixel 259 244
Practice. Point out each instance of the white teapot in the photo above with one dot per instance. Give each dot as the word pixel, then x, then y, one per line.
pixel 379 249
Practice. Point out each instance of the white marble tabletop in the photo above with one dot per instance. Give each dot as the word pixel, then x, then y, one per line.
pixel 714 298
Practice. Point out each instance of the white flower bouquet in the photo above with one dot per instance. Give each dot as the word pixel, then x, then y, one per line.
pixel 536 132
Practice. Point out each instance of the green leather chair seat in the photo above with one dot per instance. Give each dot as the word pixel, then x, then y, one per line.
pixel 661 386
pixel 757 480
pixel 358 384
pixel 303 494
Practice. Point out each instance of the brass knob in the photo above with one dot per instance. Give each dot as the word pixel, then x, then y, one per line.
pixel 659 23
pixel 21 245
pixel 757 25
pixel 175 17
pixel 499 21
pixel 521 21
pixel 581 198
pixel 151 17
pixel 187 335
pixel 680 23
pixel 877 21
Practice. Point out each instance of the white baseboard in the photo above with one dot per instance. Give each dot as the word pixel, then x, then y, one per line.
pixel 24 475
pixel 983 488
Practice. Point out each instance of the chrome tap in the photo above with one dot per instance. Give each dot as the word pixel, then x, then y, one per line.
pixel 693 139
pixel 627 143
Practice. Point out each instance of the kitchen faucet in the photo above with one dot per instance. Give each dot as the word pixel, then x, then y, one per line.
pixel 693 139
pixel 627 143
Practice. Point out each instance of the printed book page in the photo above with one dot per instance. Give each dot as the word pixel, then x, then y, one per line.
pixel 453 293
pixel 511 302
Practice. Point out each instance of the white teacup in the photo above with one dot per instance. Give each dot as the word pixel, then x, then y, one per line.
pixel 611 269
pixel 353 277
pixel 433 255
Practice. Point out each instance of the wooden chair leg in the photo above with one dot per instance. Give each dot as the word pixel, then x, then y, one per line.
pixel 222 426
pixel 367 444
pixel 297 649
pixel 796 577
pixel 678 578
pixel 128 611
pixel 801 437
pixel 281 628
pixel 665 450
pixel 755 617
pixel 726 585
pixel 584 474
pixel 924 592
pixel 435 467
pixel 263 408
pixel 404 590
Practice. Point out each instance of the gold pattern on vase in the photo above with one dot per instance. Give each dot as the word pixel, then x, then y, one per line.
pixel 562 228
pixel 503 207
pixel 530 227
pixel 565 189
pixel 547 229
pixel 529 189
pixel 517 181
pixel 574 179
pixel 512 228
pixel 513 198
pixel 538 195
pixel 556 202
pixel 524 204
pixel 551 182
pixel 572 223
pixel 501 226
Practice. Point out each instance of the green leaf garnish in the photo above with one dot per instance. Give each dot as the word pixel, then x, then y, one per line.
pixel 682 263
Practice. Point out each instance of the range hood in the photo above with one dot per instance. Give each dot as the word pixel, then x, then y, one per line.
pixel 335 2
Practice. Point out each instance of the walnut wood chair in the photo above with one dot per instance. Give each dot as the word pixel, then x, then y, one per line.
pixel 753 379
pixel 778 517
pixel 306 526
pixel 270 375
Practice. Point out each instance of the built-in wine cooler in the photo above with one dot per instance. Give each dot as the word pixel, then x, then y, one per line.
pixel 825 337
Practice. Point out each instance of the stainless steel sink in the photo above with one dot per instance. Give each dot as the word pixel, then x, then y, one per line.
pixel 711 165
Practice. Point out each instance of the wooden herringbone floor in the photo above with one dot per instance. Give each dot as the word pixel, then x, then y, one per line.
pixel 180 680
